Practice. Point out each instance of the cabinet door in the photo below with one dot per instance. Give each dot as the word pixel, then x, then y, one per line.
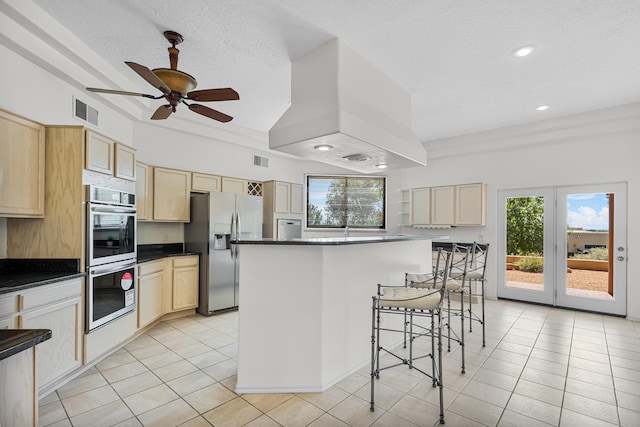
pixel 171 195
pixel 21 167
pixel 234 185
pixel 125 162
pixel 442 205
pixel 296 199
pixel 471 204
pixel 205 183
pixel 62 353
pixel 185 283
pixel 282 202
pixel 98 153
pixel 420 210
pixel 144 192
pixel 150 304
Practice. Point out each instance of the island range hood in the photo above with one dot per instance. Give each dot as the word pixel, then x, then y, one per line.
pixel 347 113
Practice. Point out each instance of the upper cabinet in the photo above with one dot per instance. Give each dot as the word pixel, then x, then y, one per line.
pixel 171 189
pixel 234 185
pixel 22 186
pixel 471 205
pixel 205 183
pixel 144 192
pixel 106 156
pixel 445 206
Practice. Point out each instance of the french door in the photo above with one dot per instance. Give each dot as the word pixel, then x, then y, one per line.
pixel 564 246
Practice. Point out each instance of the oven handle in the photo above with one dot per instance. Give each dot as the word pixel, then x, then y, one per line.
pixel 109 209
pixel 99 271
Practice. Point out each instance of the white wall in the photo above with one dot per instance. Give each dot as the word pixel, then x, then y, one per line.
pixel 596 147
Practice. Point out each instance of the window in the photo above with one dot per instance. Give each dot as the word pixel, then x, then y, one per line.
pixel 346 201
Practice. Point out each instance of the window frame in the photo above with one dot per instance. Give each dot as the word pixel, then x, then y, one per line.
pixel 312 228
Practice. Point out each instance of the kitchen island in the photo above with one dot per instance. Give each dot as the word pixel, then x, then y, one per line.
pixel 305 306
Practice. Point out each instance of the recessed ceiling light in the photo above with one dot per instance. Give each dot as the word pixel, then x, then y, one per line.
pixel 542 107
pixel 524 51
pixel 382 166
pixel 323 147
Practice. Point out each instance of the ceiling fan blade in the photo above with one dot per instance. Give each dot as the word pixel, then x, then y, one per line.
pixel 162 112
pixel 210 112
pixel 149 76
pixel 121 92
pixel 207 95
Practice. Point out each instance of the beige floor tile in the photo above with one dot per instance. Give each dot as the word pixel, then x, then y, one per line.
pixel 198 421
pixel 136 384
pixel 629 374
pixel 327 399
pixel 575 419
pixel 627 386
pixel 173 413
pixel 554 347
pixel 425 391
pixel 192 350
pixel 476 410
pixel 222 370
pixel 263 421
pixel 266 402
pixel 550 356
pixel 355 411
pixel 206 359
pixel 487 376
pixel 628 401
pixel 117 359
pixel 385 396
pixel 236 412
pixel 590 365
pixel 190 382
pixel 174 370
pixel 160 360
pixel 513 419
pixel 141 341
pixel 107 415
pixel 89 400
pixel 488 393
pixel 546 366
pixel 386 420
pixel 535 409
pixel 125 371
pixel 509 356
pixel 209 397
pixel 51 413
pixel 81 385
pixel 590 407
pixel 544 378
pixel 503 367
pixel 62 423
pixel 629 418
pixel 150 350
pixel 150 398
pixel 604 394
pixel 453 419
pixel 49 398
pixel 399 378
pixel 590 377
pixel 295 412
pixel 353 382
pixel 537 391
pixel 131 422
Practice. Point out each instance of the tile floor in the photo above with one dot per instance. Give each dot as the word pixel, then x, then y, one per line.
pixel 541 366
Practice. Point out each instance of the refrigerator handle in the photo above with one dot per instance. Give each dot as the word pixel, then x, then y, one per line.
pixel 238 227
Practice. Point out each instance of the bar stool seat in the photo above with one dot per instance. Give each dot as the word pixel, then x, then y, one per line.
pixel 415 298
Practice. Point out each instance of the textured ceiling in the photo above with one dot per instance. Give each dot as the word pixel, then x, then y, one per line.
pixel 454 57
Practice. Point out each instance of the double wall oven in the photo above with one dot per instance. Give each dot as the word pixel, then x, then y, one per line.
pixel 111 255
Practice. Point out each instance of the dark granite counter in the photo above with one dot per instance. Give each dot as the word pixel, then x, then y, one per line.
pixel 18 274
pixel 13 341
pixel 339 240
pixel 154 252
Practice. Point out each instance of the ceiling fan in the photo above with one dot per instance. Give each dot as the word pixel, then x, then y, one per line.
pixel 177 87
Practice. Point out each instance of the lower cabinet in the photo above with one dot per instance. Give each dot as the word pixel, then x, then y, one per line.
pixel 185 283
pixel 151 279
pixel 57 307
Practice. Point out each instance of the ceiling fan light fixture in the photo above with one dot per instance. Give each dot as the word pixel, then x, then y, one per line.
pixel 177 80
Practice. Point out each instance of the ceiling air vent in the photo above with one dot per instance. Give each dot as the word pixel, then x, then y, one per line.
pixel 261 161
pixel 85 112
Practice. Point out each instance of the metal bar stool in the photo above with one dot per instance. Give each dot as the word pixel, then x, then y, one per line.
pixel 415 304
pixel 476 279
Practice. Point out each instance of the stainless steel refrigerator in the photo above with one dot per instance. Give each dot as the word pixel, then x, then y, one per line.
pixel 218 220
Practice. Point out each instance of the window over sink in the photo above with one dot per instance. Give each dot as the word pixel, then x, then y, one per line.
pixel 341 201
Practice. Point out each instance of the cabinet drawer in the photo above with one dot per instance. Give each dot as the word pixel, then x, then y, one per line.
pixel 57 292
pixel 8 305
pixel 185 261
pixel 150 267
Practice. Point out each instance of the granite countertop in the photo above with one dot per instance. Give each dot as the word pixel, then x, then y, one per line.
pixel 335 241
pixel 154 252
pixel 18 274
pixel 13 341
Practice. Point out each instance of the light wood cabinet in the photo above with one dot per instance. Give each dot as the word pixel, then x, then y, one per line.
pixel 18 388
pixel 420 211
pixel 125 162
pixel 185 283
pixel 151 282
pixel 442 205
pixel 8 310
pixel 281 200
pixel 57 307
pixel 471 204
pixel 99 153
pixel 22 167
pixel 144 192
pixel 234 185
pixel 171 195
pixel 205 183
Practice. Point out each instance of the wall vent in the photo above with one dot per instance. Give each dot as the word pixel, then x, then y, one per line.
pixel 261 161
pixel 85 112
